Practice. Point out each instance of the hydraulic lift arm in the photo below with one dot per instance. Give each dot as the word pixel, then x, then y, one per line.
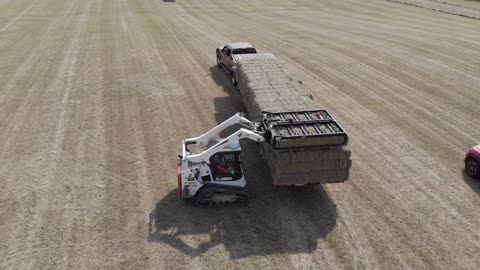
pixel 238 118
pixel 251 131
pixel 227 143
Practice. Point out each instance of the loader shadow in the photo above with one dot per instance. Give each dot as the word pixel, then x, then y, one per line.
pixel 276 221
pixel 283 222
pixel 472 183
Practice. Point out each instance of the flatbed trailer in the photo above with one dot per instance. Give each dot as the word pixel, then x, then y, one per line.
pixel 304 144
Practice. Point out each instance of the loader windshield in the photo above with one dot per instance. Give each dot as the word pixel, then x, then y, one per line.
pixel 226 166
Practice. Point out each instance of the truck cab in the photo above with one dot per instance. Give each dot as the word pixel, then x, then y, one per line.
pixel 226 56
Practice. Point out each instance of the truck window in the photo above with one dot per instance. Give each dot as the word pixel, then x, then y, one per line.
pixel 244 51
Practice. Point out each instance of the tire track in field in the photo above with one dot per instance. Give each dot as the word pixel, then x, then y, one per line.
pixel 57 217
pixel 413 22
pixel 15 160
pixel 38 204
pixel 434 9
pixel 23 83
pixel 19 16
pixel 455 5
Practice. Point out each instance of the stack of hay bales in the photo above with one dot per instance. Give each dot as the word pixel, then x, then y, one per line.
pixel 307 166
pixel 266 85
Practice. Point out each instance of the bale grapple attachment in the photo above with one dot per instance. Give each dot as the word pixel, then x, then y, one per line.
pixel 303 129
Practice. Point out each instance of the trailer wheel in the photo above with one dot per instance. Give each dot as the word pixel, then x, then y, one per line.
pixel 234 80
pixel 472 167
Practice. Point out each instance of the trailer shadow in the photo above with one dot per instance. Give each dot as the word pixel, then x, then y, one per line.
pixel 473 184
pixel 227 106
pixel 277 220
pixel 219 76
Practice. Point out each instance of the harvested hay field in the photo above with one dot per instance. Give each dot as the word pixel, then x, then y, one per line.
pixel 96 96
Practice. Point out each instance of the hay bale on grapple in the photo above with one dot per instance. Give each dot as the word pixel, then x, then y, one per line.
pixel 292 156
pixel 303 166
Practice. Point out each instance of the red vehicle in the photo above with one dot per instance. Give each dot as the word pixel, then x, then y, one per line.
pixel 472 162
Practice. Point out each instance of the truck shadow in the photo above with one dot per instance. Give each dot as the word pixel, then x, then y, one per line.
pixel 474 184
pixel 277 220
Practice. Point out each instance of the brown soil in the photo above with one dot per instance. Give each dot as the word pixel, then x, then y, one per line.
pixel 96 96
